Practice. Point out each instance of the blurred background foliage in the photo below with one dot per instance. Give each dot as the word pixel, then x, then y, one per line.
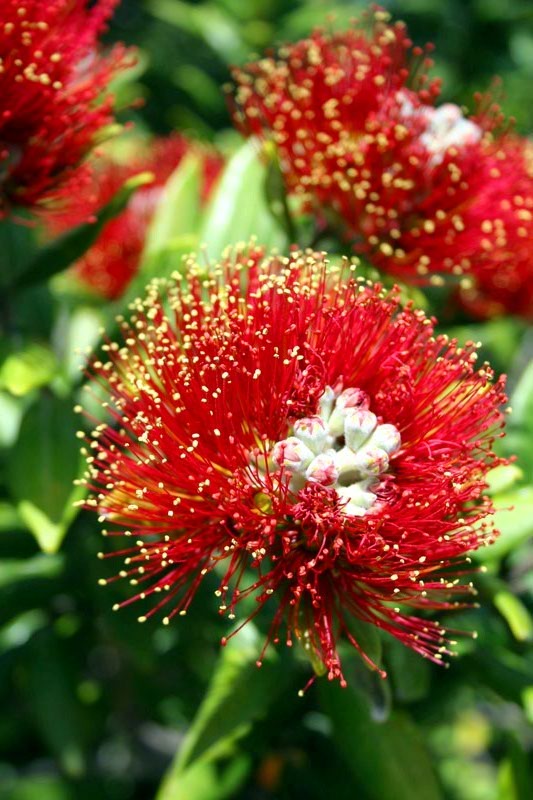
pixel 95 704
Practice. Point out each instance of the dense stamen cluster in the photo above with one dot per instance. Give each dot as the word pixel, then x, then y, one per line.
pixel 52 93
pixel 413 187
pixel 109 265
pixel 228 394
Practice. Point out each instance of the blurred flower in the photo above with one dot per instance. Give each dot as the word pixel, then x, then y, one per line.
pixel 290 428
pixel 502 216
pixel 110 264
pixel 53 105
pixel 414 188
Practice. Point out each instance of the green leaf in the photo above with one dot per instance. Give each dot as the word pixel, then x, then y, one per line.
pixel 239 693
pixel 66 249
pixel 410 675
pixel 208 22
pixel 50 686
pixel 502 478
pixel 32 367
pixel 18 245
pixel 44 463
pixel 20 629
pixel 515 614
pixel 11 410
pixel 177 215
pixel 388 760
pixel 238 208
pixel 514 520
pixel 41 566
pixel 522 401
pixel 9 518
pixel 205 780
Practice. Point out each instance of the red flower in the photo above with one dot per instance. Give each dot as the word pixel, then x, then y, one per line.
pixel 52 93
pixel 502 272
pixel 112 261
pixel 412 187
pixel 305 439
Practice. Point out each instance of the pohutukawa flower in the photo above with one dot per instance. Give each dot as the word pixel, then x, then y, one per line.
pixel 291 429
pixel 413 187
pixel 53 102
pixel 109 265
pixel 502 274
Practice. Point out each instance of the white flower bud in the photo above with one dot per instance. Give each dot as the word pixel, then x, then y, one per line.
pixel 358 427
pixel 323 470
pixel 312 432
pixel 387 438
pixel 347 402
pixel 292 454
pixel 371 461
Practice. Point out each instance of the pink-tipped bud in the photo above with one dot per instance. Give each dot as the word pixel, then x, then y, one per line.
pixel 358 427
pixel 292 454
pixel 322 470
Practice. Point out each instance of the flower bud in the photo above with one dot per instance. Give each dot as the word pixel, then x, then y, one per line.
pixel 323 470
pixel 292 454
pixel 312 432
pixel 358 427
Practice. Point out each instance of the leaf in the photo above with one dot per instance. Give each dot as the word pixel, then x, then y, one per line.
pixel 217 28
pixel 389 760
pixel 239 693
pixel 41 566
pixel 30 368
pixel 502 478
pixel 18 244
pixel 20 629
pixel 522 401
pixel 177 215
pixel 44 463
pixel 9 518
pixel 205 781
pixel 51 695
pixel 66 249
pixel 515 614
pixel 238 208
pixel 11 411
pixel 514 520
pixel 410 675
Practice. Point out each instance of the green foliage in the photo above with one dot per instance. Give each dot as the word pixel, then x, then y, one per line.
pixel 238 209
pixel 44 462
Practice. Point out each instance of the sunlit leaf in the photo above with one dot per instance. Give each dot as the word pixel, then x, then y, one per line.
pixel 28 369
pixel 238 208
pixel 176 216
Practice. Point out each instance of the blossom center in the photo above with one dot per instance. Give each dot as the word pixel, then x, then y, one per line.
pixel 446 126
pixel 343 447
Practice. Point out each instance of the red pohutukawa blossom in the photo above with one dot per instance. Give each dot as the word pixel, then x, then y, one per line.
pixel 414 187
pixel 52 93
pixel 502 275
pixel 291 429
pixel 109 265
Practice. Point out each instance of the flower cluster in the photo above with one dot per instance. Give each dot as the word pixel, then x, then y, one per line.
pixel 53 104
pixel 109 265
pixel 288 427
pixel 421 191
